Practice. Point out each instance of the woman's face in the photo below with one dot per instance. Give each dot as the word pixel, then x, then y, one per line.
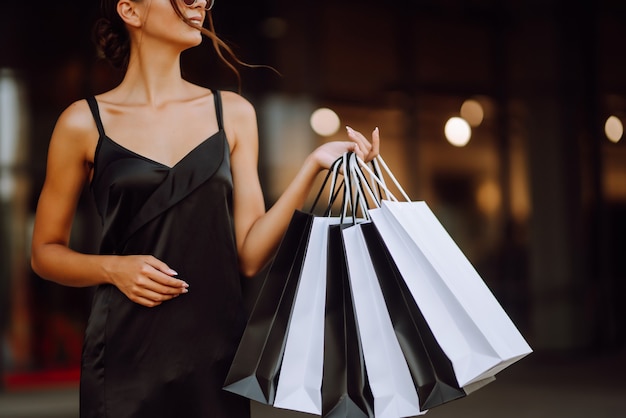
pixel 161 22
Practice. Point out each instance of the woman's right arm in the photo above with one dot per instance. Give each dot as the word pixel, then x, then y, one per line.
pixel 143 278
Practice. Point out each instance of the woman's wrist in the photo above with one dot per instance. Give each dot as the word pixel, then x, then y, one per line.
pixel 106 267
pixel 312 164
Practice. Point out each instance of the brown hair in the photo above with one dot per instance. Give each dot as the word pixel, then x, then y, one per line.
pixel 113 41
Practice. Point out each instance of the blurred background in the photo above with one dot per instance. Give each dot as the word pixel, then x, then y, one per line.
pixel 506 116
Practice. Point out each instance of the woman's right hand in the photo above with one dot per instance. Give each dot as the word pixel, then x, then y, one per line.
pixel 144 279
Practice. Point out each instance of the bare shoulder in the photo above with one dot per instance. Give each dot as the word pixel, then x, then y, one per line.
pixel 77 117
pixel 76 128
pixel 239 120
pixel 237 107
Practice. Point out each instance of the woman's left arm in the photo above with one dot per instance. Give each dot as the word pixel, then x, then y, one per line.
pixel 258 233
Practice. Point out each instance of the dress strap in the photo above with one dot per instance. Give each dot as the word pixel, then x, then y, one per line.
pixel 218 108
pixel 93 105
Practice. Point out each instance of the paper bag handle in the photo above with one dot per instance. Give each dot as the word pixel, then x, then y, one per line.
pixel 379 178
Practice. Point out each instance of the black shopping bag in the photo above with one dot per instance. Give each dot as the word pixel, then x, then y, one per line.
pixel 345 391
pixel 254 370
pixel 430 368
pixel 466 320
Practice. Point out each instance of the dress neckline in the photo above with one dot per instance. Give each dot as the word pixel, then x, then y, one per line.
pixel 155 162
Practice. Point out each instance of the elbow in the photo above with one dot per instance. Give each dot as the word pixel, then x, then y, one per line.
pixel 248 272
pixel 35 263
pixel 254 261
pixel 250 269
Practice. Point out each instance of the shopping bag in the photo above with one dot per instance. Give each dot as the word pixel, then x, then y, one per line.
pixel 470 325
pixel 255 367
pixel 431 370
pixel 388 373
pixel 254 370
pixel 345 389
pixel 423 365
pixel 300 378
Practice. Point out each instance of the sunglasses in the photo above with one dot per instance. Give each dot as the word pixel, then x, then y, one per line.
pixel 191 3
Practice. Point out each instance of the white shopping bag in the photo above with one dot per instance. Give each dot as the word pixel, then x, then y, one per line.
pixel 387 371
pixel 470 325
pixel 300 379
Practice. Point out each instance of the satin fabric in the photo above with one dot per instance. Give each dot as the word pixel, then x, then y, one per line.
pixel 170 360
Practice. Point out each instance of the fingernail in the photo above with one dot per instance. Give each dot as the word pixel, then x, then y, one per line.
pixel 349 129
pixel 185 290
pixel 185 285
pixel 173 272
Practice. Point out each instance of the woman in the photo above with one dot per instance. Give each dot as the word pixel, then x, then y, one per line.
pixel 173 170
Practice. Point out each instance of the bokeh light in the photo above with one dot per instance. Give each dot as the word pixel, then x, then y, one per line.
pixel 325 122
pixel 472 111
pixel 614 129
pixel 488 197
pixel 458 132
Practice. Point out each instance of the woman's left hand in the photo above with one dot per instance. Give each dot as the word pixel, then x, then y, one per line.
pixel 326 154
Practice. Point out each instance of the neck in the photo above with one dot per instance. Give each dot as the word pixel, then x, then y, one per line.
pixel 153 76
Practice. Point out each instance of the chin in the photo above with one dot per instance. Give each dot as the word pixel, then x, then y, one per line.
pixel 191 41
pixel 196 38
pixel 194 44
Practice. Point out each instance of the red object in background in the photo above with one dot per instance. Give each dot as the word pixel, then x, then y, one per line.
pixel 57 346
pixel 42 379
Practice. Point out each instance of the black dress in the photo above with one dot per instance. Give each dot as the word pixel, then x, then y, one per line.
pixel 171 360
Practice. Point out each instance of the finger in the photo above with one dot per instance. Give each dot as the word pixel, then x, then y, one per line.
pixel 155 297
pixel 163 274
pixel 375 150
pixel 146 284
pixel 347 146
pixel 368 150
pixel 146 297
pixel 359 139
pixel 150 300
pixel 146 302
pixel 160 265
pixel 161 279
pixel 358 150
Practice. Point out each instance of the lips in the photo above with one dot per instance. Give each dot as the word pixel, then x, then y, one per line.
pixel 196 20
